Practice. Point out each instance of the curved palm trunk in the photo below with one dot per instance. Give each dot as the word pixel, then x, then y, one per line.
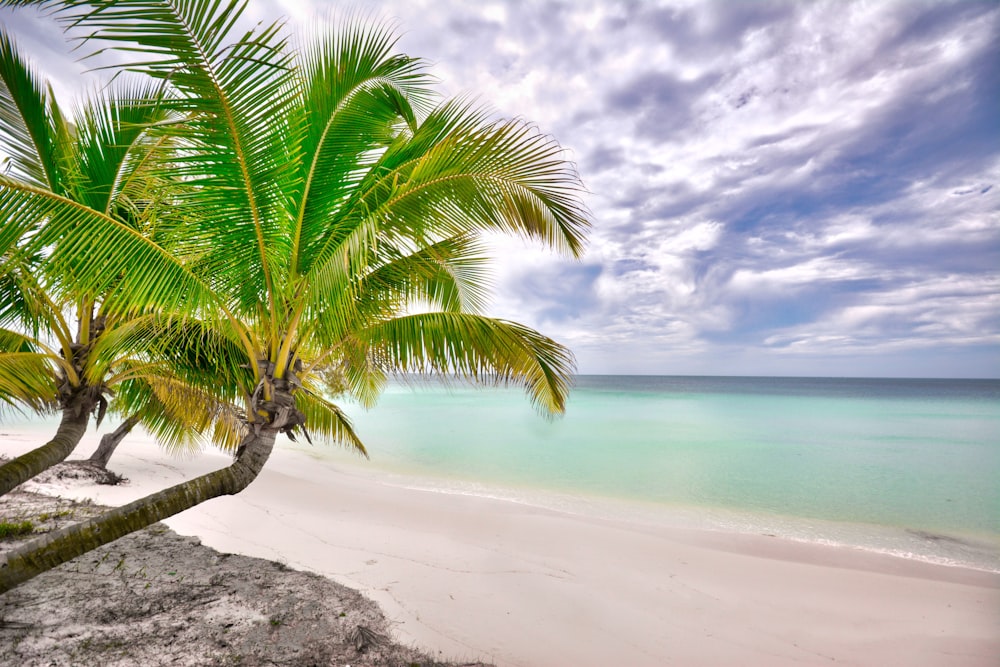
pixel 110 442
pixel 58 547
pixel 67 437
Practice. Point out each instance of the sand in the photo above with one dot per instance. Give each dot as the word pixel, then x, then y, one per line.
pixel 156 598
pixel 472 578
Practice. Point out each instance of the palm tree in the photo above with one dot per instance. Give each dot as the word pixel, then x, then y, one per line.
pixel 94 160
pixel 97 159
pixel 331 218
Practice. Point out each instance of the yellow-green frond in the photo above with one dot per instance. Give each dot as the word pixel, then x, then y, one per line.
pixel 181 417
pixel 27 379
pixel 478 348
pixel 327 420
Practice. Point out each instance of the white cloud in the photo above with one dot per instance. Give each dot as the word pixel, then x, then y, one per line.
pixel 764 177
pixel 953 310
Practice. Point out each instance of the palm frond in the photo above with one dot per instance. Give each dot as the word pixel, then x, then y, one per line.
pixel 29 128
pixel 236 92
pixel 326 419
pixel 15 341
pixel 356 93
pixel 329 299
pixel 181 417
pixel 475 347
pixel 450 275
pixel 110 126
pixel 92 253
pixel 469 173
pixel 28 379
pixel 201 353
pixel 460 173
pixel 25 304
pixel 365 370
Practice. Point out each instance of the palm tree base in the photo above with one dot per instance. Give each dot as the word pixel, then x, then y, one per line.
pixel 19 470
pixel 61 546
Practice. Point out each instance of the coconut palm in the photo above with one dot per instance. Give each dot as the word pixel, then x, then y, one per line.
pixel 95 160
pixel 331 218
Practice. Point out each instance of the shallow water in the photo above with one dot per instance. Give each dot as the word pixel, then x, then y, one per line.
pixel 904 466
pixel 909 467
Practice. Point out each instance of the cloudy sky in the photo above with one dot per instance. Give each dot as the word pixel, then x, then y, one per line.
pixel 777 188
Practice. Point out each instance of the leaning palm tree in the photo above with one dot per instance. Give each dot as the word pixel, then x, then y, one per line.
pixel 95 158
pixel 332 215
pixel 91 159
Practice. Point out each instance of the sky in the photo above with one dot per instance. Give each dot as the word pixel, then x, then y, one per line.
pixel 776 188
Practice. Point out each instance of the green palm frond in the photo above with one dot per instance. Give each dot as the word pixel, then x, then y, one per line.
pixel 11 234
pixel 181 417
pixel 451 275
pixel 30 125
pixel 236 97
pixel 365 371
pixel 503 175
pixel 171 34
pixel 110 127
pixel 197 352
pixel 15 341
pixel 326 419
pixel 191 416
pixel 205 354
pixel 128 339
pixel 474 347
pixel 92 253
pixel 356 93
pixel 355 53
pixel 25 304
pixel 28 379
pixel 458 173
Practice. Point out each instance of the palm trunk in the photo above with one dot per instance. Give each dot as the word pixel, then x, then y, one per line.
pixel 110 442
pixel 67 437
pixel 60 546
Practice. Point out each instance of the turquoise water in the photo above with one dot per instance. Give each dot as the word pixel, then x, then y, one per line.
pixel 907 466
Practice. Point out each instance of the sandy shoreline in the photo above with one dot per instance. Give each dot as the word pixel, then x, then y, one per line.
pixel 475 578
pixel 158 598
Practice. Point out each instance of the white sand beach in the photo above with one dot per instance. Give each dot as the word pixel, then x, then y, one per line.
pixel 476 578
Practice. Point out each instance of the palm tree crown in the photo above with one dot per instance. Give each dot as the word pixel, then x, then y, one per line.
pixel 325 217
pixel 65 350
pixel 325 195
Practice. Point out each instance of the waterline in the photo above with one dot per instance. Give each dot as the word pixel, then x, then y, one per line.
pixel 876 464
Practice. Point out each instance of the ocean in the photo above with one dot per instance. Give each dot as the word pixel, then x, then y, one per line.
pixel 899 466
pixel 902 466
